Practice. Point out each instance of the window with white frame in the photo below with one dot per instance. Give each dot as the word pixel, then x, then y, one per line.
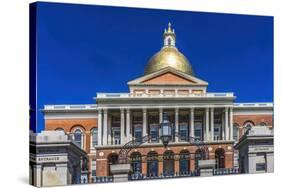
pixel 236 132
pixel 78 137
pixel 94 133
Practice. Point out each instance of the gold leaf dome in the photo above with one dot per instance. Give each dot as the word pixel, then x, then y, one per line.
pixel 169 56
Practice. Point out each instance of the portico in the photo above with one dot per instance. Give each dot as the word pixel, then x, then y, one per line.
pixel 122 125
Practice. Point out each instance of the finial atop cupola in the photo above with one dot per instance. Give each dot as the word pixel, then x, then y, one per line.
pixel 169 36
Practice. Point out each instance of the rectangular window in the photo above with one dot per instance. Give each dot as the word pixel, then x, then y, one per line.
pixel 260 167
pixel 154 133
pixel 198 132
pixel 116 135
pixel 138 133
pixel 183 132
pixel 217 132
pixel 94 136
pixel 94 168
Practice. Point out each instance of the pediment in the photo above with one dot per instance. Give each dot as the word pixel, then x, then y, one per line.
pixel 168 76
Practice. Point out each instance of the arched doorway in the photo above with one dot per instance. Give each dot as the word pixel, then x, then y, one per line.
pixel 112 159
pixel 168 163
pixel 152 164
pixel 184 162
pixel 136 163
pixel 199 155
pixel 220 158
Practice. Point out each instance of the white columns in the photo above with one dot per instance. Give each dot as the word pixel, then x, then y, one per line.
pixel 105 127
pixel 206 127
pixel 128 126
pixel 144 122
pixel 176 123
pixel 109 130
pixel 212 124
pixel 231 123
pixel 122 126
pixel 226 124
pixel 160 115
pixel 191 130
pixel 99 127
pixel 160 121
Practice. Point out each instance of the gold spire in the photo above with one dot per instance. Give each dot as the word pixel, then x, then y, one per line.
pixel 169 55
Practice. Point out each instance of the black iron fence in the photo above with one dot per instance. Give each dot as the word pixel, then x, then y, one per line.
pixel 226 171
pixel 102 179
pixel 194 173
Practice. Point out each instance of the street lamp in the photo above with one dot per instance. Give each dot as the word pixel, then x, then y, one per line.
pixel 166 130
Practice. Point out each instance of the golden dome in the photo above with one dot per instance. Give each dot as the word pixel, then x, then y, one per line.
pixel 169 56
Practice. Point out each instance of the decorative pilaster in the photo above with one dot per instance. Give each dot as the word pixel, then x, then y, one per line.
pixel 212 124
pixel 105 119
pixel 99 127
pixel 128 122
pixel 231 123
pixel 226 124
pixel 122 126
pixel 144 121
pixel 160 115
pixel 191 133
pixel 206 127
pixel 177 123
pixel 109 130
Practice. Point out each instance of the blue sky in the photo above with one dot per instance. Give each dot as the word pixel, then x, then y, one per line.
pixel 85 49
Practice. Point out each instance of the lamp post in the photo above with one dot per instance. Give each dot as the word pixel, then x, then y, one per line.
pixel 166 130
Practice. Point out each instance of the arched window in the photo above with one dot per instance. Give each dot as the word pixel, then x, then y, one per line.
pixel 199 155
pixel 169 41
pixel 236 132
pixel 220 158
pixel 94 133
pixel 184 162
pixel 59 129
pixel 168 163
pixel 247 126
pixel 78 137
pixel 152 164
pixel 136 163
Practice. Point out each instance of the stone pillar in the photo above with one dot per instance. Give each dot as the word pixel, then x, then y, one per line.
pixel 109 130
pixel 99 127
pixel 226 125
pixel 37 170
pixel 231 123
pixel 251 163
pixel 122 126
pixel 177 123
pixel 212 124
pixel 160 121
pixel 128 126
pixel 269 162
pixel 144 122
pixel 160 115
pixel 105 119
pixel 191 132
pixel 160 167
pixel 177 166
pixel 206 127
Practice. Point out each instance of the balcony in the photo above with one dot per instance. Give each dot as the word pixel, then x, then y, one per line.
pixel 161 95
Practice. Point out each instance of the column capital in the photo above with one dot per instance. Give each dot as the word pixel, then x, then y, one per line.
pixel 207 109
pixel 191 109
pixel 122 110
pixel 177 109
pixel 226 109
pixel 144 110
pixel 128 110
pixel 105 110
pixel 212 109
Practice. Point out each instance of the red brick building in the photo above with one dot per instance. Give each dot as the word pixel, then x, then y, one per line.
pixel 168 85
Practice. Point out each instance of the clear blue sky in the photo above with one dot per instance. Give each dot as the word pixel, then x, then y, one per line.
pixel 85 49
